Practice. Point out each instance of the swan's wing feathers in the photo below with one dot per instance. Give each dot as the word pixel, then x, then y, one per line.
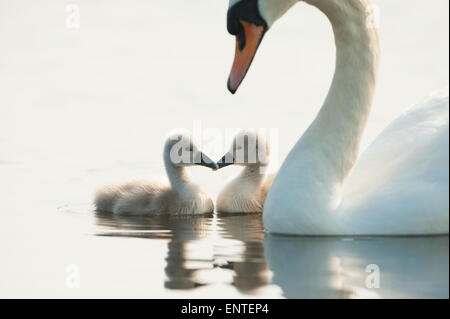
pixel 414 143
pixel 403 177
pixel 422 118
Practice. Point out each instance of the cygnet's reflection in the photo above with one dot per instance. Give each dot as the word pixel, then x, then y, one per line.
pixel 184 260
pixel 313 267
pixel 197 247
pixel 250 268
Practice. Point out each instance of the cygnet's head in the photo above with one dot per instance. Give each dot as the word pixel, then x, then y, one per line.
pixel 249 148
pixel 180 151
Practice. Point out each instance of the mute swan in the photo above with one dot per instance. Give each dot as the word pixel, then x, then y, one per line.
pixel 247 192
pixel 181 196
pixel 400 185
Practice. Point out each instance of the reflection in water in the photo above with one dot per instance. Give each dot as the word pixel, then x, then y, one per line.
pixel 199 246
pixel 250 268
pixel 308 267
pixel 183 261
pixel 233 250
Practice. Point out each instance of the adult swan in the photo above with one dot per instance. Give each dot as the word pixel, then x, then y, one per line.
pixel 400 185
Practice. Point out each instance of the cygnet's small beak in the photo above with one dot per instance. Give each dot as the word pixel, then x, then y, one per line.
pixel 226 160
pixel 203 160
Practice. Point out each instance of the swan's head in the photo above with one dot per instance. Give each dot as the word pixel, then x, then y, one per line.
pixel 249 148
pixel 180 150
pixel 249 20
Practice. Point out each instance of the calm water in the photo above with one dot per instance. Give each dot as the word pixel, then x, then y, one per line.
pixel 229 255
pixel 83 107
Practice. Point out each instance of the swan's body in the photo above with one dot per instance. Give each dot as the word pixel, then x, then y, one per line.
pixel 399 186
pixel 246 192
pixel 179 196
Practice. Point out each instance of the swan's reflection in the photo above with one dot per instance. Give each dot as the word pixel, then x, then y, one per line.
pixel 308 267
pixel 184 259
pixel 250 268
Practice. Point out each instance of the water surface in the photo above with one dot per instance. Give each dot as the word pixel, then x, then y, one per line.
pixel 232 250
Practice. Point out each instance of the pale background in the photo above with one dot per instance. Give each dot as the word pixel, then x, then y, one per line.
pixel 83 107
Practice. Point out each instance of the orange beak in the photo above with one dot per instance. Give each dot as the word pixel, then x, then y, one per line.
pixel 244 56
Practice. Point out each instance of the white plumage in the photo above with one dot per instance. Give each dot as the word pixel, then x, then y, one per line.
pixel 399 186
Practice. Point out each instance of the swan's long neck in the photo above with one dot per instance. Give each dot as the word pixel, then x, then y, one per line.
pixel 178 176
pixel 342 118
pixel 329 148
